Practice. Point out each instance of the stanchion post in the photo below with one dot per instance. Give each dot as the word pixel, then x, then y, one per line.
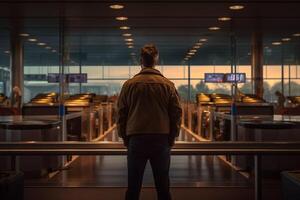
pixel 100 121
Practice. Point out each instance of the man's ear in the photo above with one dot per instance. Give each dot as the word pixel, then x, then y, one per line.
pixel 156 60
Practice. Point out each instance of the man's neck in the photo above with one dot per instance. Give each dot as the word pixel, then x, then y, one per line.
pixel 143 67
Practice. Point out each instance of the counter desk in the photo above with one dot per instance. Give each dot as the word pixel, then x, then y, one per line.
pixel 266 128
pixel 31 128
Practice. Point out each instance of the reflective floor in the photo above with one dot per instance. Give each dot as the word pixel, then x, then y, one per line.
pixel 111 171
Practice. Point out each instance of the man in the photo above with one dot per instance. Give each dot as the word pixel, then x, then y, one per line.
pixel 149 119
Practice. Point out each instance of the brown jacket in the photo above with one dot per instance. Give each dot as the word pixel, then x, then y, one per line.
pixel 148 104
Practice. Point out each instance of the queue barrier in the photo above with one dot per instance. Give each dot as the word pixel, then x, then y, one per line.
pixel 256 149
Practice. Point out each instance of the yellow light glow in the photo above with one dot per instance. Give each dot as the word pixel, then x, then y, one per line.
pixel 193 50
pixel 127 34
pixel 41 44
pixel 121 18
pixel 296 34
pixel 24 34
pixel 32 40
pixel 116 6
pixel 224 19
pixel 276 43
pixel 130 47
pixel 196 46
pixel 286 39
pixel 214 28
pixel 236 7
pixel 203 40
pixel 129 40
pixel 124 27
pixel 191 53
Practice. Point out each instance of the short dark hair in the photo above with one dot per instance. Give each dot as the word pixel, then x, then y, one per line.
pixel 149 54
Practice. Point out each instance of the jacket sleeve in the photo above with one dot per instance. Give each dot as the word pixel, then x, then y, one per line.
pixel 122 112
pixel 175 112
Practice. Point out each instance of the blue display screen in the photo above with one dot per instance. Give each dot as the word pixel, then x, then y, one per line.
pixel 214 77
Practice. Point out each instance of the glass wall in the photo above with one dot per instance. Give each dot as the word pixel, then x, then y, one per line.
pixel 5 71
pixel 281 67
pixel 41 56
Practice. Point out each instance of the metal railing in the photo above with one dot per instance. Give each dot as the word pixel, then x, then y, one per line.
pixel 257 149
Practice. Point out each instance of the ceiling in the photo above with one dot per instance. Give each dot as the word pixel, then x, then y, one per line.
pixel 90 29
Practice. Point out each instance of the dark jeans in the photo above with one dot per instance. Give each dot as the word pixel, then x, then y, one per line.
pixel 156 149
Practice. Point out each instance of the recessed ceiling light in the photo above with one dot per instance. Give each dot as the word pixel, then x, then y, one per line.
pixel 199 43
pixel 236 7
pixel 121 18
pixel 32 40
pixel 286 39
pixel 196 46
pixel 53 50
pixel 127 34
pixel 276 43
pixel 224 19
pixel 7 52
pixel 41 44
pixel 203 40
pixel 191 53
pixel 116 6
pixel 128 39
pixel 193 50
pixel 296 34
pixel 214 28
pixel 188 56
pixel 47 47
pixel 130 47
pixel 129 43
pixel 133 54
pixel 24 34
pixel 124 27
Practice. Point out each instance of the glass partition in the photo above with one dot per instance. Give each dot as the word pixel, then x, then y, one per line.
pixel 5 67
pixel 41 56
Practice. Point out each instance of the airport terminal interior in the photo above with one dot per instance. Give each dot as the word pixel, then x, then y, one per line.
pixel 235 65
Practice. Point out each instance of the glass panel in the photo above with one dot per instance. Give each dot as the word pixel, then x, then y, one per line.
pixel 40 57
pixel 5 71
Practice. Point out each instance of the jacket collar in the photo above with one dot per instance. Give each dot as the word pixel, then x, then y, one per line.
pixel 148 70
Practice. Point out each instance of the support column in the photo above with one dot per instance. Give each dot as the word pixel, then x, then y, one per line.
pixel 257 62
pixel 17 68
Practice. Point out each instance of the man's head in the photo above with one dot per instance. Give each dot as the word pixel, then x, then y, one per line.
pixel 149 55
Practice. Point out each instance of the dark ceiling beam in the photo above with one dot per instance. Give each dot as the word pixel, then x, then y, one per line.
pixel 149 1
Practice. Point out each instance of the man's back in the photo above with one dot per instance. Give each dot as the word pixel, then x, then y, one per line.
pixel 148 97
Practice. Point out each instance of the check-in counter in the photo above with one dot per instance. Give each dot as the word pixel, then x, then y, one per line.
pixel 74 124
pixel 270 131
pixel 212 127
pixel 95 116
pixel 266 128
pixel 31 128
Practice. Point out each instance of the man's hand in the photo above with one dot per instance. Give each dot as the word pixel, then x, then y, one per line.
pixel 125 141
pixel 171 141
